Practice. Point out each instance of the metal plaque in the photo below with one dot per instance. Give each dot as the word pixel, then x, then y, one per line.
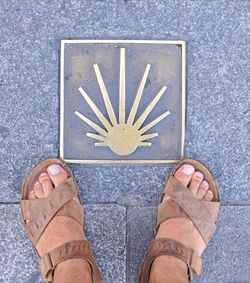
pixel 122 101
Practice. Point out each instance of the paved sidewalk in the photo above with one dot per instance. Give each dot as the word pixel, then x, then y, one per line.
pixel 120 200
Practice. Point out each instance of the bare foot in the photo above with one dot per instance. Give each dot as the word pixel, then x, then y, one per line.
pixel 61 229
pixel 182 229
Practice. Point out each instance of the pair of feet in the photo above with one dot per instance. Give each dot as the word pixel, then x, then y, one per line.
pixel 64 229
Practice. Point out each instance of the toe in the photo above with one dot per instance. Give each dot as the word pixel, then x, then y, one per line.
pixel 184 174
pixel 204 186
pixel 32 195
pixel 47 186
pixel 208 196
pixel 57 174
pixel 195 182
pixel 38 190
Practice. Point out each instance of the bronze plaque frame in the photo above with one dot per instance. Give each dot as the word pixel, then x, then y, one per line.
pixel 180 43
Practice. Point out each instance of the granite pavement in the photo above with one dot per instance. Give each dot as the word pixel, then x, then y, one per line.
pixel 120 200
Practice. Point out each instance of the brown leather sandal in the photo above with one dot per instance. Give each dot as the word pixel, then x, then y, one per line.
pixel 183 204
pixel 39 213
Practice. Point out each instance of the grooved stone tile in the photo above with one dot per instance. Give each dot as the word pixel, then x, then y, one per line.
pixel 218 91
pixel 217 36
pixel 140 232
pixel 225 261
pixel 120 183
pixel 106 228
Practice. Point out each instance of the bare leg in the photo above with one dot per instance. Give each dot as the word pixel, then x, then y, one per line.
pixel 168 269
pixel 61 229
pixel 73 270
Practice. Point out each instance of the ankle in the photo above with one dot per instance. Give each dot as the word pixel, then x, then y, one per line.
pixel 78 268
pixel 60 230
pixel 168 269
pixel 182 230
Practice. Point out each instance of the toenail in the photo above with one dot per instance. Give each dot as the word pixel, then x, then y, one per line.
pixel 43 174
pixel 36 184
pixel 54 169
pixel 210 192
pixel 205 184
pixel 187 169
pixel 32 194
pixel 199 174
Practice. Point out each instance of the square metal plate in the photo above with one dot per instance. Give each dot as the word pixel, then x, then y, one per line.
pixel 122 101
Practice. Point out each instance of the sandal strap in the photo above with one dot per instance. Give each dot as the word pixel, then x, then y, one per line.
pixel 164 246
pixel 201 214
pixel 74 249
pixel 46 210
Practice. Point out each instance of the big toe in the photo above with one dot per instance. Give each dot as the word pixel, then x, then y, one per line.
pixel 194 181
pixel 54 176
pixel 184 174
pixel 57 174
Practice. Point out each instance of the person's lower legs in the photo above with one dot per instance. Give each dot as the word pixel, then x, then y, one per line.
pixel 167 269
pixel 61 229
pixel 73 270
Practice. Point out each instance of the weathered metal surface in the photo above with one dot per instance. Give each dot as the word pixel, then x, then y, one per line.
pixel 122 101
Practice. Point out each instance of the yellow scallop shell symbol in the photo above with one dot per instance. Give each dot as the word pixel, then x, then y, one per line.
pixel 122 135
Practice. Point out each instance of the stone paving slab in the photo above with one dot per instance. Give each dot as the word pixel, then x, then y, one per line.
pixel 140 232
pixel 227 259
pixel 218 101
pixel 105 227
